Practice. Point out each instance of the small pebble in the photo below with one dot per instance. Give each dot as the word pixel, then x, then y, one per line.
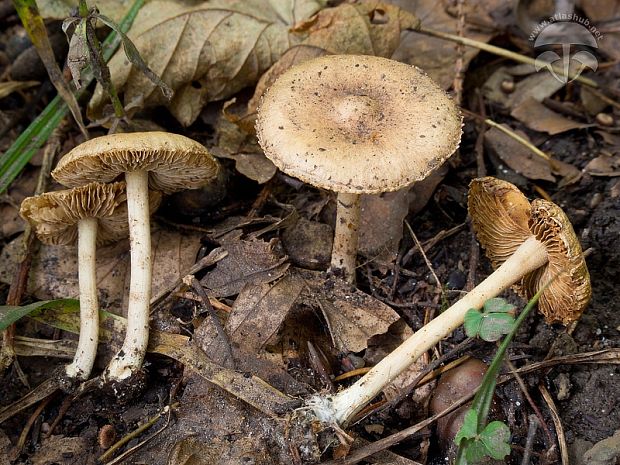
pixel 605 119
pixel 507 86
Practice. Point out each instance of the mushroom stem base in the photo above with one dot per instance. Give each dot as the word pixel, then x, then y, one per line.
pixel 344 405
pixel 344 251
pixel 129 359
pixel 86 352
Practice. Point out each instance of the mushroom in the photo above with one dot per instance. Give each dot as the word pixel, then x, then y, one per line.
pixel 530 244
pixel 356 125
pixel 92 215
pixel 162 161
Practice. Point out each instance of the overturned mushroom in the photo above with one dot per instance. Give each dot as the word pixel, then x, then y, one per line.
pixel 162 161
pixel 356 125
pixel 92 215
pixel 530 244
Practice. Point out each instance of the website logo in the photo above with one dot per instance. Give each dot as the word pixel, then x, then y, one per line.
pixel 577 39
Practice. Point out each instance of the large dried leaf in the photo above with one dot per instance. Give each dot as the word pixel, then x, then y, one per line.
pixel 364 28
pixel 538 117
pixel 436 56
pixel 248 262
pixel 259 311
pixel 61 9
pixel 518 157
pixel 352 316
pixel 53 274
pixel 204 52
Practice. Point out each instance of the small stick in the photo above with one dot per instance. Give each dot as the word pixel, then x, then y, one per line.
pixel 135 433
pixel 426 260
pixel 17 450
pixel 501 52
pixel 557 423
pixel 541 419
pixel 529 442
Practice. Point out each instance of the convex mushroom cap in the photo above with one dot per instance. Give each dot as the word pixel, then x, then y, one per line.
pixel 174 162
pixel 357 124
pixel 503 218
pixel 54 216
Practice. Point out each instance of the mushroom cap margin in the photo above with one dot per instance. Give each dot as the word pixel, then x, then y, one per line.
pixel 174 162
pixel 54 215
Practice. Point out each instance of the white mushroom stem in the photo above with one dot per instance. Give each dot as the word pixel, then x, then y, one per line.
pixel 129 359
pixel 344 251
pixel 341 407
pixel 84 358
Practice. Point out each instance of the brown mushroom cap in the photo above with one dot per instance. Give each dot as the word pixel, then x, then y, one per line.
pixel 503 219
pixel 499 214
pixel 174 162
pixel 54 215
pixel 568 294
pixel 357 124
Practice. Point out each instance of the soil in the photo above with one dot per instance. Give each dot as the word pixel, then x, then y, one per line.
pixel 586 395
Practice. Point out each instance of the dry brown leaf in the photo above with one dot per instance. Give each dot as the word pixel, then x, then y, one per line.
pixel 248 262
pixel 537 86
pixel 352 316
pixel 381 225
pixel 61 9
pixel 363 28
pixel 242 147
pixel 259 310
pixel 436 56
pixel 604 165
pixel 205 52
pixel 538 117
pixel 53 274
pixel 600 12
pixel 518 157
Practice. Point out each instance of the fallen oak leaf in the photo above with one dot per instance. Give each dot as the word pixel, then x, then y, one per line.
pixel 199 52
pixel 361 28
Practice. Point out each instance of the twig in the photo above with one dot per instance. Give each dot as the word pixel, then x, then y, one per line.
pixel 215 256
pixel 429 244
pixel 135 433
pixel 501 52
pixel 197 287
pixel 557 423
pixel 24 434
pixel 457 83
pixel 510 133
pixel 426 260
pixel 526 393
pixel 529 442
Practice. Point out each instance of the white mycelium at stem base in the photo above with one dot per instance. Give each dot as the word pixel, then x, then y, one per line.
pixel 129 359
pixel 341 407
pixel 344 251
pixel 86 352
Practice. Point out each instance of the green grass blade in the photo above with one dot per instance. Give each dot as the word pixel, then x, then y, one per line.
pixel 9 314
pixel 37 133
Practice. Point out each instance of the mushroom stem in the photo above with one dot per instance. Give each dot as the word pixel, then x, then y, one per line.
pixel 529 256
pixel 344 251
pixel 86 352
pixel 129 359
